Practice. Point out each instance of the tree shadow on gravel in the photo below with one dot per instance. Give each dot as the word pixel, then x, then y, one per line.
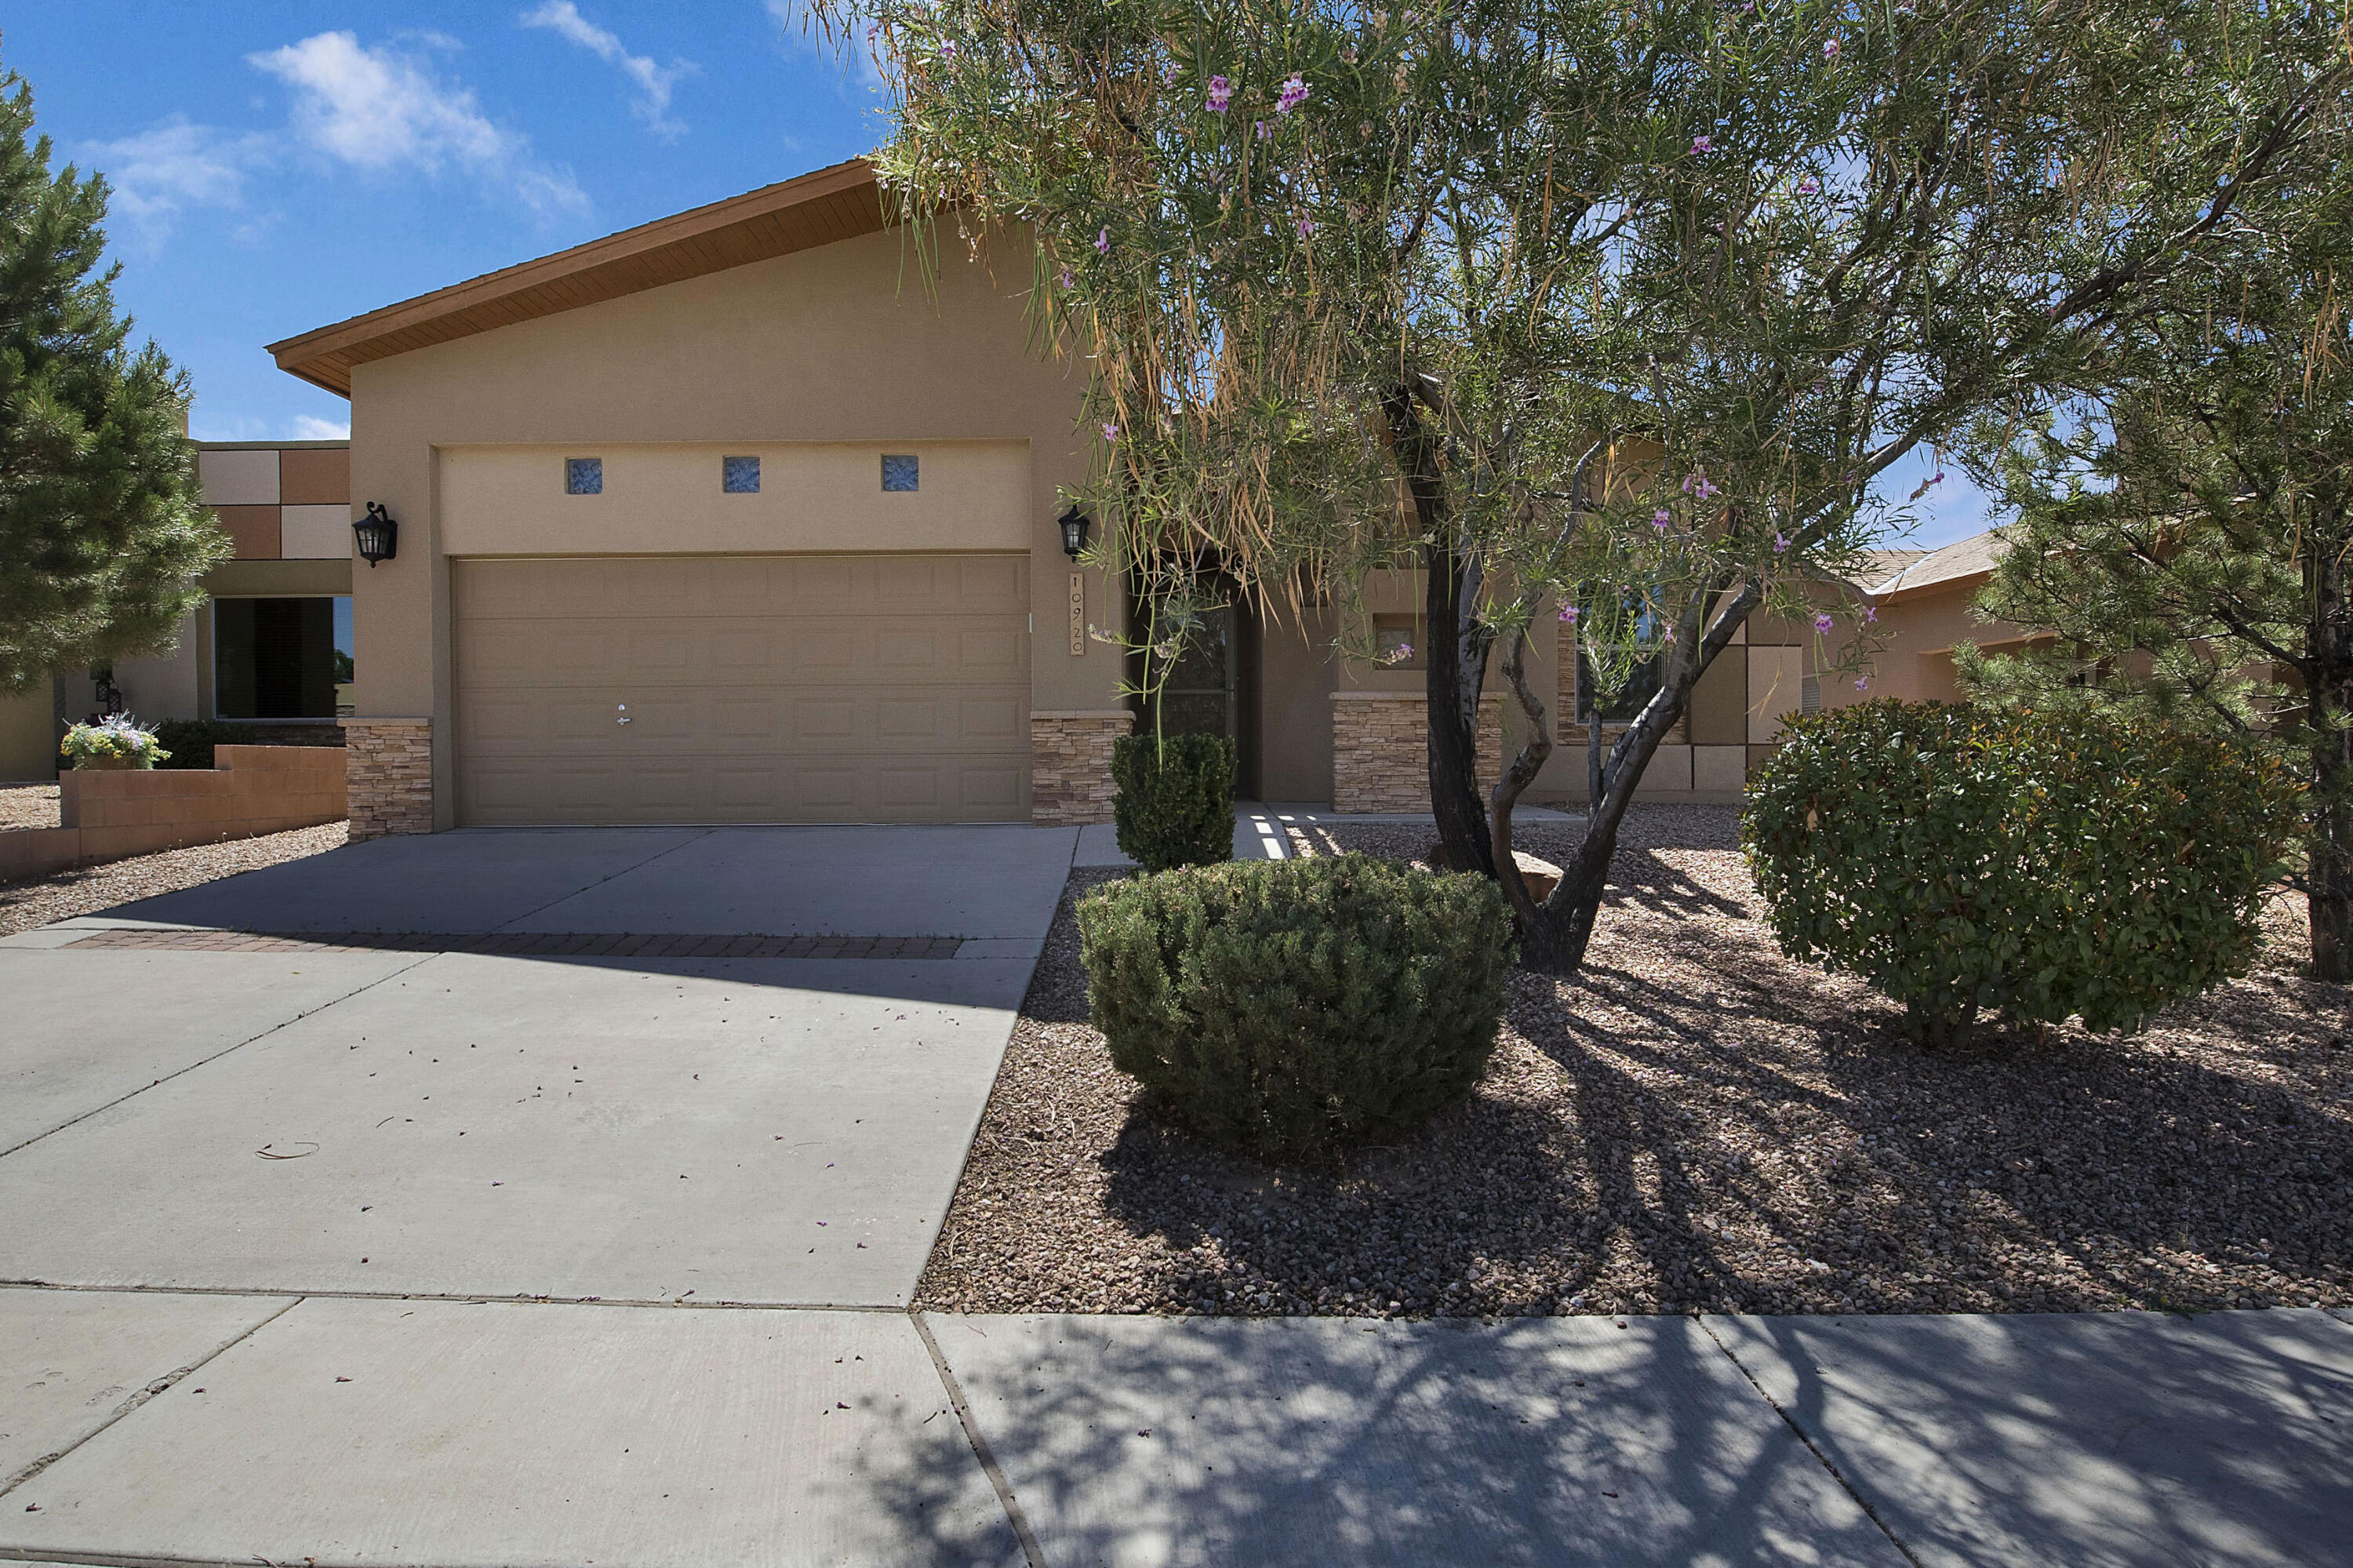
pixel 2041 1169
pixel 1201 1443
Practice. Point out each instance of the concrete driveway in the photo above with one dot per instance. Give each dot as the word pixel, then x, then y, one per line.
pixel 395 1118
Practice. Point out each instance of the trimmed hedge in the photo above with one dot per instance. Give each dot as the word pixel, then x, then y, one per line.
pixel 1175 800
pixel 1292 1009
pixel 2038 865
pixel 190 741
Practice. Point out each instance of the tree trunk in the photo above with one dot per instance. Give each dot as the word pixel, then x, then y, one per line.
pixel 1555 940
pixel 1457 668
pixel 2328 847
pixel 1454 641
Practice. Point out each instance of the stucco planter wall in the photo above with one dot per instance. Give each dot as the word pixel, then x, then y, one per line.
pixel 111 813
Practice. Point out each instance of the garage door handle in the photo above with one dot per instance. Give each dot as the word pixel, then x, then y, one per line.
pixel 624 713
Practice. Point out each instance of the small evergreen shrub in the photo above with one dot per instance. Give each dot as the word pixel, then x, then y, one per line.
pixel 2037 865
pixel 1175 800
pixel 1292 1009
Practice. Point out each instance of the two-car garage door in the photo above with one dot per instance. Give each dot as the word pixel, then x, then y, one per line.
pixel 743 689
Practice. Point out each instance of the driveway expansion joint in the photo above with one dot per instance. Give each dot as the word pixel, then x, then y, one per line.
pixel 526 944
pixel 138 1398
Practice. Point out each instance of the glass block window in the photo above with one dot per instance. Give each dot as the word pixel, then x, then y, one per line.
pixel 584 476
pixel 740 476
pixel 899 473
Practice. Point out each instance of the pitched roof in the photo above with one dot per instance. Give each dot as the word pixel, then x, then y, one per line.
pixel 1964 560
pixel 837 203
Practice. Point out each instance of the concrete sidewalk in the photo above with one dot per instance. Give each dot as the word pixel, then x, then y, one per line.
pixel 220 1429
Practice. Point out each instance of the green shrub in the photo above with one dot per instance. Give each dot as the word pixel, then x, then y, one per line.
pixel 191 740
pixel 2034 864
pixel 1290 1009
pixel 1176 801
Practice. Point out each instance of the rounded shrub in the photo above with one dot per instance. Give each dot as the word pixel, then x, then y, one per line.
pixel 1175 800
pixel 2037 865
pixel 1290 1009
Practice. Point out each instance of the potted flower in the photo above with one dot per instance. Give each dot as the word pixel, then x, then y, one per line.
pixel 117 741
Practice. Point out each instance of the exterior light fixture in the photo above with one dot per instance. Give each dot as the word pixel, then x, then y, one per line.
pixel 1073 524
pixel 377 536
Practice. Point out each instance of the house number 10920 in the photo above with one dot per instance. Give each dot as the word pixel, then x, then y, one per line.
pixel 1077 615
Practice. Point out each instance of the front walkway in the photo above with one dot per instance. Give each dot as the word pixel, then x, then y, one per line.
pixel 524 1201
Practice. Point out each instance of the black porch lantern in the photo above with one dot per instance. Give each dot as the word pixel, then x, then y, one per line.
pixel 377 536
pixel 1073 524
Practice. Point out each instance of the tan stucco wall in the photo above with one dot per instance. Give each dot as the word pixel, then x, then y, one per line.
pixel 841 343
pixel 813 495
pixel 1916 634
pixel 28 735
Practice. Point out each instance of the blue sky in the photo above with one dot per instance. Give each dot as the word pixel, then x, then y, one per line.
pixel 279 166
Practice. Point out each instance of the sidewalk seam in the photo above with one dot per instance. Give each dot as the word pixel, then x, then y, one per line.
pixel 179 1071
pixel 980 1449
pixel 155 1386
pixel 1822 1459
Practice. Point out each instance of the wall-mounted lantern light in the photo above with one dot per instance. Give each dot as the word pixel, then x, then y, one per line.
pixel 1073 524
pixel 377 536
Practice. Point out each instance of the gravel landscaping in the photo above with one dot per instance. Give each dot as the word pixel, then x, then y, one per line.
pixel 28 806
pixel 90 888
pixel 1696 1124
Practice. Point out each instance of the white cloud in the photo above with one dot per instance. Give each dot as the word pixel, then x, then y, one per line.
pixel 379 109
pixel 310 428
pixel 158 174
pixel 654 82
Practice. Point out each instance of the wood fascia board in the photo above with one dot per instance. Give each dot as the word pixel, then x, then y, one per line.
pixel 602 269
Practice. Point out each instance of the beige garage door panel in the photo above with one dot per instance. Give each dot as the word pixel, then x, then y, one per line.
pixel 757 689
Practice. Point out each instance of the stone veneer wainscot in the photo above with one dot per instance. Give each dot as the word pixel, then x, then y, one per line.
pixel 1070 775
pixel 388 776
pixel 1380 750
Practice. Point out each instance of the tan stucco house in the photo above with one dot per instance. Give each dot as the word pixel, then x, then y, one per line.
pixel 268 649
pixel 736 517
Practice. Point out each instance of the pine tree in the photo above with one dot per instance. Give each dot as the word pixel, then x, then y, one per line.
pixel 102 534
pixel 2188 532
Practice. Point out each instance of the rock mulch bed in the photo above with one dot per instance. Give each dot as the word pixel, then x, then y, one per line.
pixel 90 888
pixel 1692 1124
pixel 29 806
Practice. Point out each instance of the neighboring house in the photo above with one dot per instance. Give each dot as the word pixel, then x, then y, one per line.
pixel 1924 604
pixel 270 647
pixel 736 517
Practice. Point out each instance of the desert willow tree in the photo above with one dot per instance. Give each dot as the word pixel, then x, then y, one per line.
pixel 2186 529
pixel 1605 312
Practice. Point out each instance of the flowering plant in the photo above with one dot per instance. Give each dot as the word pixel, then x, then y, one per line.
pixel 118 738
pixel 1474 314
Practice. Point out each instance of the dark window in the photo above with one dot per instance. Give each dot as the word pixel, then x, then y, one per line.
pixel 1396 642
pixel 1640 688
pixel 584 476
pixel 740 475
pixel 898 472
pixel 282 658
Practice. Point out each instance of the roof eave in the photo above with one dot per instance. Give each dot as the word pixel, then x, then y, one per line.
pixel 667 249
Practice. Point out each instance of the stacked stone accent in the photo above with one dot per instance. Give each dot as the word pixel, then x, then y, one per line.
pixel 389 775
pixel 1070 770
pixel 1380 750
